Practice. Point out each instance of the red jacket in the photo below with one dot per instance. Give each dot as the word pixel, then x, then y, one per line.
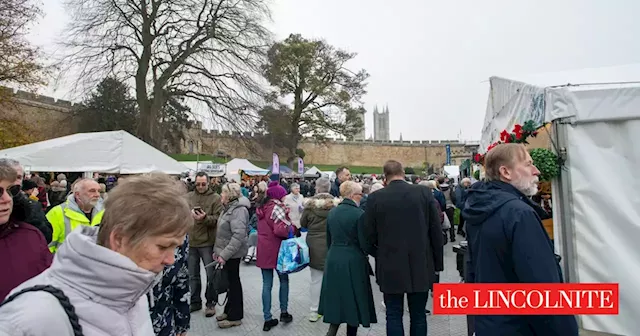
pixel 24 254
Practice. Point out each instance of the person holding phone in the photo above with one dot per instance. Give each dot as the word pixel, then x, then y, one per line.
pixel 206 208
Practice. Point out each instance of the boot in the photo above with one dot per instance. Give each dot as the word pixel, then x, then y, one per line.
pixel 333 330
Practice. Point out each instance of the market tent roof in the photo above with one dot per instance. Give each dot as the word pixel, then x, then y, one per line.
pixel 116 152
pixel 585 95
pixel 283 169
pixel 312 172
pixel 235 165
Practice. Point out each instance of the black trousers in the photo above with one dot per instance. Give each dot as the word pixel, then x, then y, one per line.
pixel 235 302
pixel 450 214
pixel 461 225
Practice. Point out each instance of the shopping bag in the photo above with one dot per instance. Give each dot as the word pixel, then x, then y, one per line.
pixel 446 224
pixel 293 255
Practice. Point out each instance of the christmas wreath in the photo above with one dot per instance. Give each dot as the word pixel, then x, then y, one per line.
pixel 519 134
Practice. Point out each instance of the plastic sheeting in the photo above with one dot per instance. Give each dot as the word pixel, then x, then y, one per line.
pixel 584 95
pixel 603 161
pixel 116 152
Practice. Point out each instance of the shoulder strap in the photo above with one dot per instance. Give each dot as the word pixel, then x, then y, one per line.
pixel 62 298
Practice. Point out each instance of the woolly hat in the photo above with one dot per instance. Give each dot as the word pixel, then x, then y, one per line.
pixel 28 185
pixel 276 191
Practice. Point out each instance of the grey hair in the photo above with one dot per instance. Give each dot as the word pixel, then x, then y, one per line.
pixel 465 180
pixel 262 186
pixel 366 189
pixel 10 163
pixel 233 190
pixel 323 185
pixel 8 173
pixel 376 186
pixel 294 186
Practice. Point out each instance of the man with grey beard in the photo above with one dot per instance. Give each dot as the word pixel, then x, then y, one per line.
pixel 507 242
pixel 82 207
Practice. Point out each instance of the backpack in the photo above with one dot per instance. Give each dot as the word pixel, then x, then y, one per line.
pixel 69 309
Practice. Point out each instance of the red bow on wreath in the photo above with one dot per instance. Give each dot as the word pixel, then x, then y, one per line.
pixel 519 134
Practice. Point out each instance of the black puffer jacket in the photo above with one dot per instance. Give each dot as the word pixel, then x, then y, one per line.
pixel 29 211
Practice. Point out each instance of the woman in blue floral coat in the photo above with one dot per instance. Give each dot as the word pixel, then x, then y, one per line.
pixel 169 298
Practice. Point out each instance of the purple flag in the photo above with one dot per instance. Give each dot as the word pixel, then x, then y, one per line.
pixel 300 166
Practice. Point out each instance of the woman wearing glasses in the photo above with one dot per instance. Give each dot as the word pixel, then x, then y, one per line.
pixel 23 248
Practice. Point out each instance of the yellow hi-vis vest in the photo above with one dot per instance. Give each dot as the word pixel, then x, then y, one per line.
pixel 63 220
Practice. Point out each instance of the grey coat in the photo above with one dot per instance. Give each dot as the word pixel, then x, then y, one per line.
pixel 106 288
pixel 231 237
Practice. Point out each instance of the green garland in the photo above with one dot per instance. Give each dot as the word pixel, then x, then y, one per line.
pixel 547 163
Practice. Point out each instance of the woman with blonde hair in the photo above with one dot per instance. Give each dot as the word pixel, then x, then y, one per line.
pixel 230 246
pixel 347 296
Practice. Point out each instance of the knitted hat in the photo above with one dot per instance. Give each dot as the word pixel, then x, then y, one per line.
pixel 276 191
pixel 28 185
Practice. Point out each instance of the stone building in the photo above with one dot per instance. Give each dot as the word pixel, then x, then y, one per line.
pixel 381 124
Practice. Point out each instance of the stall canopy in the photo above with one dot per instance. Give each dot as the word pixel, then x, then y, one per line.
pixel 596 116
pixel 234 166
pixel 212 169
pixel 116 152
pixel 284 170
pixel 313 172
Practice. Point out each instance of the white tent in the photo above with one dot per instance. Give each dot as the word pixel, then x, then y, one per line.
pixel 235 165
pixel 116 152
pixel 596 119
pixel 212 169
pixel 312 172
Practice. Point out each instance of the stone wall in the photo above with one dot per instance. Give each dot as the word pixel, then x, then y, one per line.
pixel 43 117
pixel 47 118
pixel 370 153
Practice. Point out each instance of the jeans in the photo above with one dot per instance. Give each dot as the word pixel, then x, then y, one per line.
pixel 195 281
pixel 235 305
pixel 315 287
pixel 395 309
pixel 267 285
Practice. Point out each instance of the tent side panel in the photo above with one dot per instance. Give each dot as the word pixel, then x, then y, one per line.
pixel 602 164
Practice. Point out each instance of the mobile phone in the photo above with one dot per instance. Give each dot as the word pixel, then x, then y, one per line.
pixel 198 209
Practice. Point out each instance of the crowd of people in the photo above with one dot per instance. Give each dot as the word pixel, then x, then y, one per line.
pixel 128 262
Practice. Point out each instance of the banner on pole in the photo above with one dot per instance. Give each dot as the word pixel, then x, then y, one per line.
pixel 300 166
pixel 448 152
pixel 275 166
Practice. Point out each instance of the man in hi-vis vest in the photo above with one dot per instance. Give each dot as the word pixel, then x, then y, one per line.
pixel 82 207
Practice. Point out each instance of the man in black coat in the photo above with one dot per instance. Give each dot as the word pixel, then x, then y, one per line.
pixel 402 223
pixel 507 242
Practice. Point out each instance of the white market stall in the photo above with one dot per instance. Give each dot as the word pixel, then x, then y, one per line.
pixel 234 167
pixel 115 152
pixel 595 116
pixel 312 172
pixel 212 169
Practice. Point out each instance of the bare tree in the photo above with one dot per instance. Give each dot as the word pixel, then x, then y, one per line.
pixel 19 63
pixel 205 51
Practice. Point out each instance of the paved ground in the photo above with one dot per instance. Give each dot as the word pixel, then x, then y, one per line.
pixel 299 307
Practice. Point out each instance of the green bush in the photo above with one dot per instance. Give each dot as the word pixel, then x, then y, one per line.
pixel 547 163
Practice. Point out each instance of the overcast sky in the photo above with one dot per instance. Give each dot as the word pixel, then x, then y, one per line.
pixel 430 60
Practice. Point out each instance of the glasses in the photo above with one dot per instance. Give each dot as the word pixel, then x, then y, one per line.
pixel 201 184
pixel 13 191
